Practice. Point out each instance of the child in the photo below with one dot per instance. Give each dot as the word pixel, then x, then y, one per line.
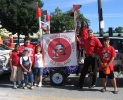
pixel 16 70
pixel 38 66
pixel 106 56
pixel 26 64
pixel 83 31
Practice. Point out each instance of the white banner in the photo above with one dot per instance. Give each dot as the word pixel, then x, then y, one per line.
pixel 59 50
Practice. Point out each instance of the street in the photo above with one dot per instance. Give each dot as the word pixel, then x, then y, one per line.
pixel 65 92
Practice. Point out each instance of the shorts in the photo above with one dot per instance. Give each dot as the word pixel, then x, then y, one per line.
pixel 17 74
pixel 38 71
pixel 28 78
pixel 102 75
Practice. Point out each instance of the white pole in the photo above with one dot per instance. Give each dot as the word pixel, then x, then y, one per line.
pixel 49 27
pixel 40 31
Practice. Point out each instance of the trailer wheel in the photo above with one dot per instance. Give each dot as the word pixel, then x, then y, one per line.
pixel 57 78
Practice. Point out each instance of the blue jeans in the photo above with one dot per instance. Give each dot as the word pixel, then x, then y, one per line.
pixel 28 78
pixel 38 71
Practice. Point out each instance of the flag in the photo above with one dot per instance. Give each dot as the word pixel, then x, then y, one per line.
pixel 76 7
pixel 33 5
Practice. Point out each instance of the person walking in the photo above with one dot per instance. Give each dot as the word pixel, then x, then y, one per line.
pixel 106 59
pixel 38 66
pixel 91 46
pixel 16 70
pixel 26 64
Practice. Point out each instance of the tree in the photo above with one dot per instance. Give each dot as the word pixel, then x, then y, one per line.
pixel 17 18
pixel 119 29
pixel 61 21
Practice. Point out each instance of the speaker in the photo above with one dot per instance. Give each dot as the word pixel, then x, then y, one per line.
pixel 110 31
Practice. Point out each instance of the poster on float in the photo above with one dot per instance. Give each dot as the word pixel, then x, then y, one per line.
pixel 59 49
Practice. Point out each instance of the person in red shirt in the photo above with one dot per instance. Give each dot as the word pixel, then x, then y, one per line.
pixel 106 56
pixel 16 70
pixel 91 46
pixel 31 48
pixel 83 31
pixel 10 41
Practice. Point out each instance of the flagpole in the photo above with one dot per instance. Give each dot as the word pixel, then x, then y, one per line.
pixel 40 30
pixel 75 8
pixel 49 27
pixel 75 18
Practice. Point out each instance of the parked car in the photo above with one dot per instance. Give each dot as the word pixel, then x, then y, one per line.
pixel 4 59
pixel 116 42
pixel 21 41
pixel 35 40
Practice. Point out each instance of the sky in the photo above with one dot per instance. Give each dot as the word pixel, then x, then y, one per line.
pixel 112 11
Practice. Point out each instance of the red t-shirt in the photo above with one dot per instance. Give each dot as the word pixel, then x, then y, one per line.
pixel 83 33
pixel 91 45
pixel 106 53
pixel 31 51
pixel 10 44
pixel 15 58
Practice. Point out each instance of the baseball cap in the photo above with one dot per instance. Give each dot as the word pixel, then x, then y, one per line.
pixel 90 30
pixel 26 49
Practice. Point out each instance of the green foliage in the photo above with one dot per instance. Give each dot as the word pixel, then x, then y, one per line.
pixel 119 29
pixel 61 21
pixel 3 36
pixel 18 19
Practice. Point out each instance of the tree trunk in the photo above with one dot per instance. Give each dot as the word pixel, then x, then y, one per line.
pixel 18 37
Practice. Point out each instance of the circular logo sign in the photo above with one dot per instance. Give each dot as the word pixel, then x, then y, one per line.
pixel 59 49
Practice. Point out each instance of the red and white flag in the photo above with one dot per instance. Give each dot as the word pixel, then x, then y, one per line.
pixel 76 7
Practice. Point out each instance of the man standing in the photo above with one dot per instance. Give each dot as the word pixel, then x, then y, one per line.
pixel 91 46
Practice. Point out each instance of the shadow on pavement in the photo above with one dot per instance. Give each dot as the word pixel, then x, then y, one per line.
pixel 69 83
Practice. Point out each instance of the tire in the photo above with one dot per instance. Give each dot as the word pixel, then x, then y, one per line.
pixel 57 78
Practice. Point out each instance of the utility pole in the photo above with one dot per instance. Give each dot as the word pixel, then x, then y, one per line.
pixel 101 22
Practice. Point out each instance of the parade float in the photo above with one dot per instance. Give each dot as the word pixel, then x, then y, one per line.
pixel 60 51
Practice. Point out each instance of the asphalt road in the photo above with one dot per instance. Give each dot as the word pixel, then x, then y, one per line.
pixel 65 92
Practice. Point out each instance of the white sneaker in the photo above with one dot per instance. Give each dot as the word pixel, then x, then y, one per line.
pixel 31 87
pixel 15 87
pixel 35 84
pixel 40 84
pixel 25 87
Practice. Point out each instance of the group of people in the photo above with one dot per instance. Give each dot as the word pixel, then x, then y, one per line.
pixel 25 56
pixel 9 42
pixel 22 59
pixel 96 55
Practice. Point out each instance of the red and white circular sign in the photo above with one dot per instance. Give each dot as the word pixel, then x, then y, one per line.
pixel 59 50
